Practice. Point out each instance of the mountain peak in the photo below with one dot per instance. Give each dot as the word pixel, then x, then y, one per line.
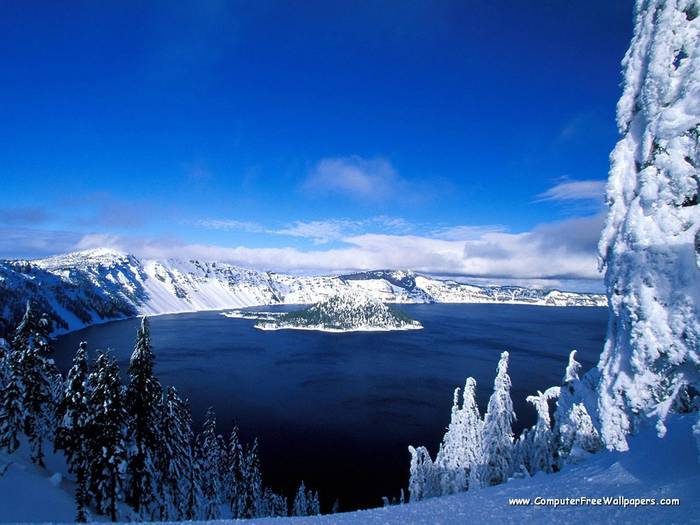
pixel 104 256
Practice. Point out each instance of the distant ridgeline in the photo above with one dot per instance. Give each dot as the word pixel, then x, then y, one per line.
pixel 92 286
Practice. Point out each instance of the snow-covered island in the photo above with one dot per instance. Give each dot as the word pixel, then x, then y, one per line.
pixel 346 312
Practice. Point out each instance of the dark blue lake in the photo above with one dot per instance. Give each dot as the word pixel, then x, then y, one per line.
pixel 339 410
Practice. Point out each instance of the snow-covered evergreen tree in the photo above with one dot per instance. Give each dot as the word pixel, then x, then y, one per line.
pixel 497 463
pixel 194 508
pixel 234 479
pixel 313 503
pixel 252 482
pixel 107 436
pixel 541 449
pixel 306 502
pixel 73 432
pixel 209 457
pixel 574 433
pixel 273 504
pixel 300 505
pixel 424 481
pixel 522 454
pixel 174 457
pixel 452 475
pixel 39 379
pixel 650 245
pixel 11 408
pixel 143 402
pixel 461 448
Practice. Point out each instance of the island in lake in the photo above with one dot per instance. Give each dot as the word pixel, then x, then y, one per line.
pixel 345 312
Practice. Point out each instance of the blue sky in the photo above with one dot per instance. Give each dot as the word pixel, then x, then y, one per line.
pixel 466 138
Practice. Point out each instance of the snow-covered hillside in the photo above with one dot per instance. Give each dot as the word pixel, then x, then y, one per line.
pixel 653 468
pixel 346 312
pixel 92 286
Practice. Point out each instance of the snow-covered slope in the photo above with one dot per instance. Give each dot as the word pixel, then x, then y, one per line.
pixel 95 285
pixel 653 468
pixel 345 312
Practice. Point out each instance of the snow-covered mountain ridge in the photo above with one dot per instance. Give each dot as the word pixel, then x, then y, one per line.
pixel 92 286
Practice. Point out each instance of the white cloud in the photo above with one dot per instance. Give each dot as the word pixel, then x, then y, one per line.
pixel 354 176
pixel 575 190
pixel 562 250
pixel 466 232
pixel 229 224
pixel 321 232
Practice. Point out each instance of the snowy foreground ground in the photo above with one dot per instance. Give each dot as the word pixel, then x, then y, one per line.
pixel 653 468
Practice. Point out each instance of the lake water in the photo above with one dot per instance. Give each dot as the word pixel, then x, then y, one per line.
pixel 339 410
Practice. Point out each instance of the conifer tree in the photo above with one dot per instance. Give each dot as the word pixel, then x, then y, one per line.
pixel 252 482
pixel 541 451
pixel 234 476
pixel 143 402
pixel 107 436
pixel 574 433
pixel 446 462
pixel 313 503
pixel 461 451
pixel 208 454
pixel 522 454
pixel 194 507
pixel 273 505
pixel 11 408
pixel 424 480
pixel 73 433
pixel 498 431
pixel 38 376
pixel 174 457
pixel 300 506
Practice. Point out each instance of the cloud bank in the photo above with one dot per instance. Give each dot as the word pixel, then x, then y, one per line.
pixel 560 250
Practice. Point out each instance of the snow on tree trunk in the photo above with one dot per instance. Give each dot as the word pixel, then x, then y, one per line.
pixel 650 243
